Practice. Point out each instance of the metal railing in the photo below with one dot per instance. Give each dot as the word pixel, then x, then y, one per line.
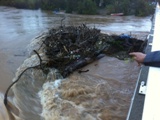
pixel 152 98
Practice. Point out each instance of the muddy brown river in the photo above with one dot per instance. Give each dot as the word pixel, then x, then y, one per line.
pixel 110 81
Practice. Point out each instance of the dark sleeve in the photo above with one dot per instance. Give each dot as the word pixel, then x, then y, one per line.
pixel 152 59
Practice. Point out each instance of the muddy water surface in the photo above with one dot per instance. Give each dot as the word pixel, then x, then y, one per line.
pixel 18 27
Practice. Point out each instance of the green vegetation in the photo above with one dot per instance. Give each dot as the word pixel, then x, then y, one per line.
pixel 128 7
pixel 145 10
pixel 87 7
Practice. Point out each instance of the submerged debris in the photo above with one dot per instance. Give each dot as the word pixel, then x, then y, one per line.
pixel 70 48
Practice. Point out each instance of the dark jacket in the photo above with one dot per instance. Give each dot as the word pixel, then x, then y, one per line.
pixel 152 59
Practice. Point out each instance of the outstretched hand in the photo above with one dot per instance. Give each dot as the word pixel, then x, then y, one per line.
pixel 138 56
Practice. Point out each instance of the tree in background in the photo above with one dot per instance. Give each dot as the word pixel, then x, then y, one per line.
pixel 5 2
pixel 27 4
pixel 114 7
pixel 143 8
pixel 71 5
pixel 128 7
pixel 61 4
pixel 124 7
pixel 47 5
pixel 52 4
pixel 87 7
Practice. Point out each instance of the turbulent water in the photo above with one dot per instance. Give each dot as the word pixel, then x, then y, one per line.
pixel 102 93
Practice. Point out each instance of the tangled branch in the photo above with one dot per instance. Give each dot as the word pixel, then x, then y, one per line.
pixel 6 93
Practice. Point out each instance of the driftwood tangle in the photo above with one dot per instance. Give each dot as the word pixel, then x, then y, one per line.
pixel 70 48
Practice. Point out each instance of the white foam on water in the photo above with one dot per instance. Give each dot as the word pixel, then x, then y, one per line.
pixel 1 96
pixel 57 83
pixel 49 86
pixel 48 95
pixel 53 104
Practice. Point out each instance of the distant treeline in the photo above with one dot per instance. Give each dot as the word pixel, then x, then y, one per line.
pixel 128 7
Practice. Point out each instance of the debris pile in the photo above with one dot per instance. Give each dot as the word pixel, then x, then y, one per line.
pixel 70 48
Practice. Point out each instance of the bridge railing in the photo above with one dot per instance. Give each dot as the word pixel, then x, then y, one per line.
pixel 151 110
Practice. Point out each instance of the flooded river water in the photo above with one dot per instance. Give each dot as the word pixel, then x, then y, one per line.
pixel 110 81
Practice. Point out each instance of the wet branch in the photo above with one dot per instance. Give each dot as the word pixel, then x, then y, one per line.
pixel 37 66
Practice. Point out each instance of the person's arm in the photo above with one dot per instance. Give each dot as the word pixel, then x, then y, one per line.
pixel 152 59
pixel 149 59
pixel 138 56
